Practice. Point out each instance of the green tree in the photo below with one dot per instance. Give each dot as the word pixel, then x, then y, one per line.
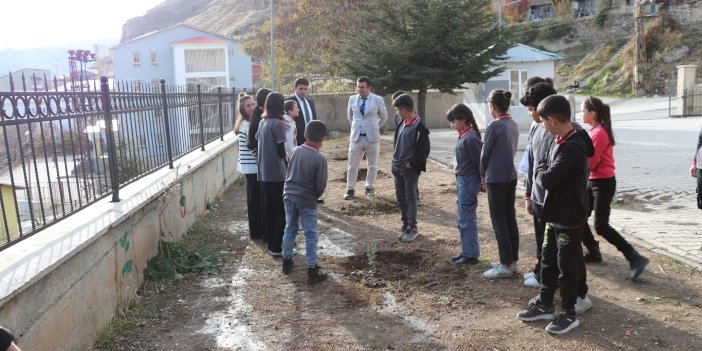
pixel 420 44
pixel 307 36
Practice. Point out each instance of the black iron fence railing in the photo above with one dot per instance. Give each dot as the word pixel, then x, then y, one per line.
pixel 686 105
pixel 65 149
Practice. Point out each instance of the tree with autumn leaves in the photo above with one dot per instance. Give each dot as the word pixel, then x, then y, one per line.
pixel 401 44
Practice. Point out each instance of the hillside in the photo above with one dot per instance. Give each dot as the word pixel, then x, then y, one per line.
pixel 233 18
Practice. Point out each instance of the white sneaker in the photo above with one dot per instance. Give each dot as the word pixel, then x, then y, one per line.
pixel 532 282
pixel 498 272
pixel 529 275
pixel 582 305
pixel 512 267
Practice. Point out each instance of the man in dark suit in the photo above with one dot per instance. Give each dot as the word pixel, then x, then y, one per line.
pixel 306 106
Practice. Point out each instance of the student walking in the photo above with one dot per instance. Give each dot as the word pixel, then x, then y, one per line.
pixel 563 174
pixel 271 171
pixel 409 159
pixel 305 181
pixel 467 170
pixel 497 170
pixel 602 186
pixel 248 167
pixel 696 169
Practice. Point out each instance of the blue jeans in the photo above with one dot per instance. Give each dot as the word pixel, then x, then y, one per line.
pixel 468 188
pixel 295 213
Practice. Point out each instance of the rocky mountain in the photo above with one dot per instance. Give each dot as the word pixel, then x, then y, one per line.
pixel 233 18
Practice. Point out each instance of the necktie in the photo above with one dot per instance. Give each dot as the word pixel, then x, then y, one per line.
pixel 363 106
pixel 308 116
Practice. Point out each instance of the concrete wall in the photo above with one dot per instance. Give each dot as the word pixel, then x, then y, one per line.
pixel 61 287
pixel 331 108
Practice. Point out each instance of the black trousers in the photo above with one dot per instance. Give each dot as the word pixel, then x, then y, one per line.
pixel 699 188
pixel 254 206
pixel 504 219
pixel 273 214
pixel 539 229
pixel 601 193
pixel 563 266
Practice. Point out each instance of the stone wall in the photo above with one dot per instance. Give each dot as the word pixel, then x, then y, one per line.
pixel 61 287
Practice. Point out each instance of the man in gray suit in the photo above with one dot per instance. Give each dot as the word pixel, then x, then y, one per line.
pixel 367 113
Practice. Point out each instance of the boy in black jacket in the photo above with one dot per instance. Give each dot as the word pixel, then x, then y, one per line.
pixel 563 173
pixel 409 159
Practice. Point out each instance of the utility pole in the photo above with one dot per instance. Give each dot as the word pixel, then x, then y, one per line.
pixel 272 46
pixel 639 49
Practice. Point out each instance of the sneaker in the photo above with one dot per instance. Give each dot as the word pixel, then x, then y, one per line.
pixel 638 265
pixel 402 233
pixel 593 255
pixel 529 275
pixel 565 321
pixel 369 191
pixel 465 261
pixel 536 311
pixel 532 282
pixel 512 266
pixel 287 265
pixel 275 254
pixel 349 194
pixel 419 202
pixel 315 275
pixel 410 235
pixel 582 305
pixel 498 272
pixel 456 258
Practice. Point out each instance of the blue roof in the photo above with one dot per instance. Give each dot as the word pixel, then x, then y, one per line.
pixel 525 53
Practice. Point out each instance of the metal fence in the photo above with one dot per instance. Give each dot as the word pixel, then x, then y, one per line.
pixel 687 105
pixel 63 150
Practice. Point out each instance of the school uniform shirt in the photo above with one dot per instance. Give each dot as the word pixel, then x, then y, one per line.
pixel 499 148
pixel 467 156
pixel 271 167
pixel 290 139
pixel 411 145
pixel 306 177
pixel 247 160
pixel 602 162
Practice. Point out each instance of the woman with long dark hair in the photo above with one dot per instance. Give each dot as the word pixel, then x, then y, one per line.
pixel 602 185
pixel 247 165
pixel 261 95
pixel 271 170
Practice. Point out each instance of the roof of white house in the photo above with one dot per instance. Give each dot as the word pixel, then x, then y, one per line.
pixel 525 53
pixel 167 29
pixel 200 40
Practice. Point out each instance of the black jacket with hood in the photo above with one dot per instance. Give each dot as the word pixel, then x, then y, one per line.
pixel 563 173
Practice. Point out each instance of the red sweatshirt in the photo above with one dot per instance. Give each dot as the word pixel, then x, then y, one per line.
pixel 602 162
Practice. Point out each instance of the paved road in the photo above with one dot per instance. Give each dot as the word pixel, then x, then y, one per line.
pixel 655 198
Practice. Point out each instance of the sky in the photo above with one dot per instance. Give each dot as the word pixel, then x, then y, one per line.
pixel 39 23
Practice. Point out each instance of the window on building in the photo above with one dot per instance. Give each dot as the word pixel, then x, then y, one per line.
pixel 517 83
pixel 205 60
pixel 154 59
pixel 136 59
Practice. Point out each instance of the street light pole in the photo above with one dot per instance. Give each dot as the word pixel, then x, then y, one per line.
pixel 272 46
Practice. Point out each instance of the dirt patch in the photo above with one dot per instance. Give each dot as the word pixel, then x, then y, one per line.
pixel 383 294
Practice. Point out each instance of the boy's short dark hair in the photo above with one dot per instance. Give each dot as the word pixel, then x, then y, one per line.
pixel 316 130
pixel 404 101
pixel 365 79
pixel 301 81
pixel 397 93
pixel 555 106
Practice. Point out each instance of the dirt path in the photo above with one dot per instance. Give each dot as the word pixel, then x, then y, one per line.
pixel 388 295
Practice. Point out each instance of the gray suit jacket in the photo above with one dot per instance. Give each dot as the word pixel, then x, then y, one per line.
pixel 375 117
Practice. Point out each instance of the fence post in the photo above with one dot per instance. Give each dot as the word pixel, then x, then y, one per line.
pixel 202 124
pixel 221 118
pixel 235 101
pixel 684 102
pixel 167 123
pixel 112 149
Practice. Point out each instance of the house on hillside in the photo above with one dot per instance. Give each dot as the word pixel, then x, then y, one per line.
pixel 521 63
pixel 33 77
pixel 183 55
